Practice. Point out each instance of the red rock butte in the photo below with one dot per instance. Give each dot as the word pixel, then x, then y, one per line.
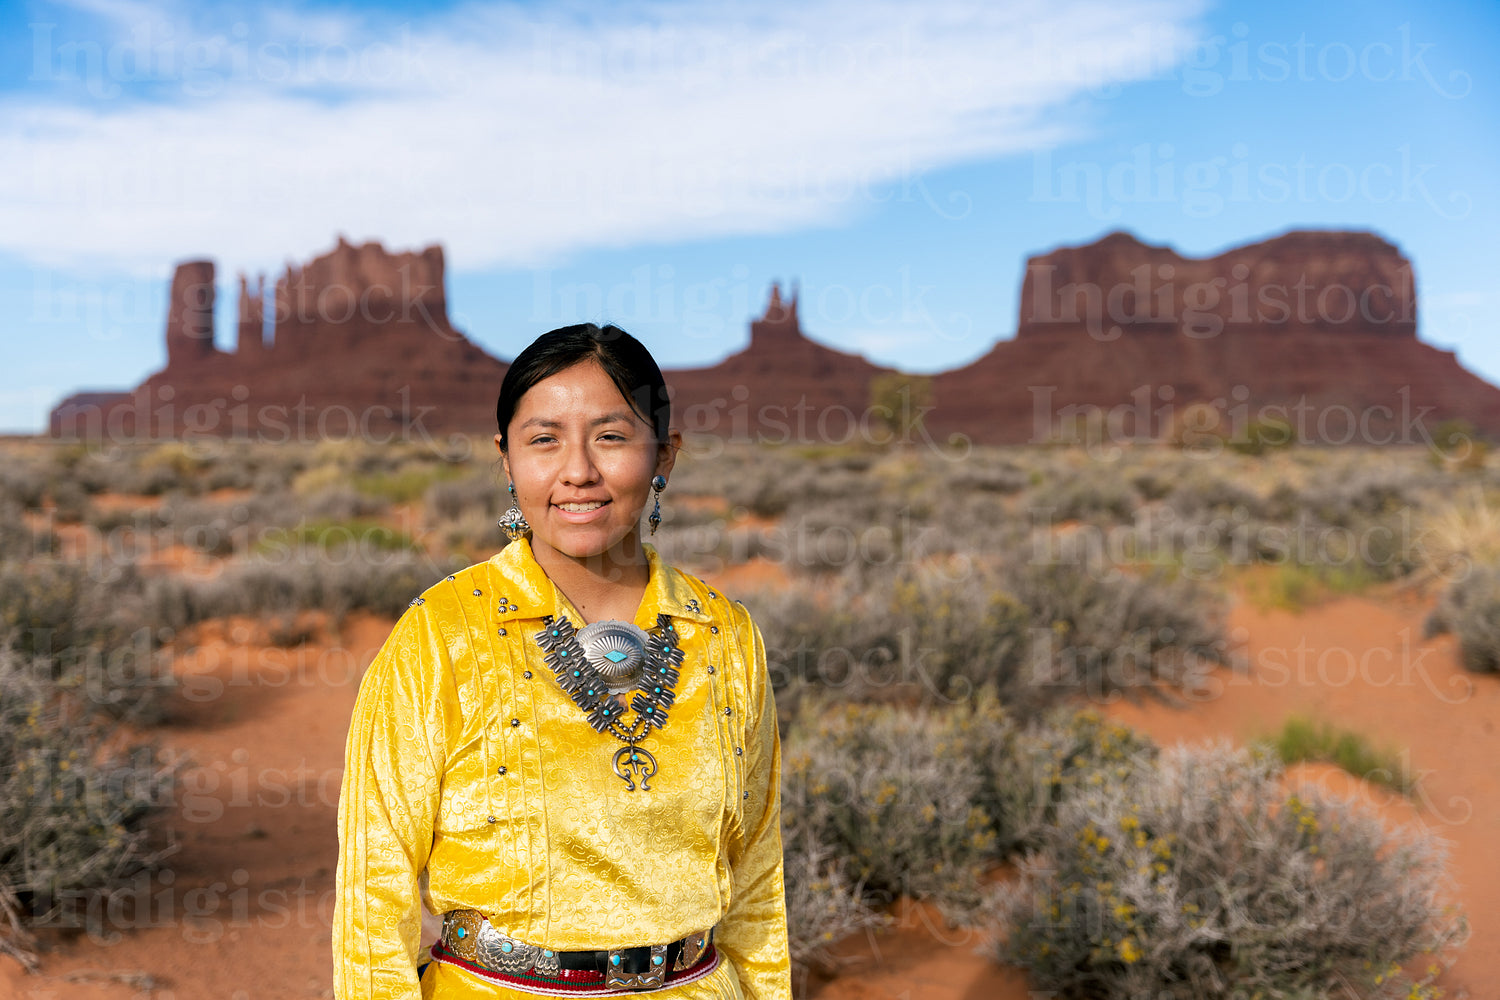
pixel 1315 328
pixel 1318 329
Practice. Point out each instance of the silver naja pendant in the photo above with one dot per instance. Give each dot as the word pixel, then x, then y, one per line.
pixel 633 764
pixel 617 650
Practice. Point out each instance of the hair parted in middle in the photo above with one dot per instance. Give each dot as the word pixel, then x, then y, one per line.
pixel 623 358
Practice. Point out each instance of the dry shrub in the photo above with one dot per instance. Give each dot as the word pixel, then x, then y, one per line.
pixel 1028 772
pixel 1096 493
pixel 894 793
pixel 82 631
pixel 824 902
pixel 383 583
pixel 18 540
pixel 22 482
pixel 924 635
pixel 1200 879
pixel 1470 609
pixel 1035 630
pixel 880 801
pixel 75 812
pixel 1100 631
pixel 482 490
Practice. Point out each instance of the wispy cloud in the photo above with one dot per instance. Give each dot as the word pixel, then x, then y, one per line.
pixel 519 135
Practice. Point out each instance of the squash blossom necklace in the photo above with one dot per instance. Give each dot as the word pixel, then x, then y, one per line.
pixel 602 662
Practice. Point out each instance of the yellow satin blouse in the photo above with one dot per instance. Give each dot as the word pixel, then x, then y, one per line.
pixel 465 757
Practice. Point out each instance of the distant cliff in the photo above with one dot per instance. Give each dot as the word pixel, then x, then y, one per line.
pixel 1315 328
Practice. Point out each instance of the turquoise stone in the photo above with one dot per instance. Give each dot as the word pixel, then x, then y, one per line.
pixel 463 932
pixel 614 656
pixel 614 960
pixel 507 947
pixel 656 959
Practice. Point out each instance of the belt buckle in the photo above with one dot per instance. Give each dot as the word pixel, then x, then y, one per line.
pixel 619 978
pixel 693 947
pixel 470 935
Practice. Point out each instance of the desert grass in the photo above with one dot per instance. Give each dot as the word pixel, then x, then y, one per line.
pixel 1305 739
pixel 1460 533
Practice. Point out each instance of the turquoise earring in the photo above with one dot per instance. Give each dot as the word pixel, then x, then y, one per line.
pixel 658 484
pixel 513 522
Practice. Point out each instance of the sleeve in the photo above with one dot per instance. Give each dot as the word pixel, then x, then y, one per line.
pixel 753 933
pixel 387 806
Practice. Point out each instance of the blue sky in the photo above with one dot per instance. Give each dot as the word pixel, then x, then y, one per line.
pixel 658 164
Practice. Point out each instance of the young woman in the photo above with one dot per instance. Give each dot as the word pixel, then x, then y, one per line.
pixel 575 741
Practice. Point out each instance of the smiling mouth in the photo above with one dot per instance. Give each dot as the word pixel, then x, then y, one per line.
pixel 581 508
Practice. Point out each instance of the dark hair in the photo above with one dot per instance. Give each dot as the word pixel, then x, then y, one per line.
pixel 624 359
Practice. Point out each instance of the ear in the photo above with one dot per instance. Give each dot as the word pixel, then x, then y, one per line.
pixel 504 458
pixel 666 453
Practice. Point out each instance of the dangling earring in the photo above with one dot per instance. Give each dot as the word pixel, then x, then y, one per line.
pixel 513 522
pixel 658 484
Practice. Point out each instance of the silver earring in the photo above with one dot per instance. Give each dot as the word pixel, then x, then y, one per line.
pixel 513 522
pixel 658 484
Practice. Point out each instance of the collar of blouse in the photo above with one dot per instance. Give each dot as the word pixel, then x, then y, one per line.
pixel 525 590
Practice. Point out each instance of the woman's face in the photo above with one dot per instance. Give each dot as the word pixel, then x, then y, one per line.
pixel 582 461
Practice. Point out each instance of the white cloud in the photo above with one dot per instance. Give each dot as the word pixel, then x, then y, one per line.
pixel 516 136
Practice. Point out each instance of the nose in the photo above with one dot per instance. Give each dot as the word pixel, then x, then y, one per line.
pixel 578 468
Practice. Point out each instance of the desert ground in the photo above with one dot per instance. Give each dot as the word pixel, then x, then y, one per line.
pixel 240 907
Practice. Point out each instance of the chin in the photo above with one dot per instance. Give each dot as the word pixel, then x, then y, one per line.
pixel 585 543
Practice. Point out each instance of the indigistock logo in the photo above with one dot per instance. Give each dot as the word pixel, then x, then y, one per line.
pixel 1149 656
pixel 138 418
pixel 1205 187
pixel 713 308
pixel 719 422
pixel 201 914
pixel 1158 299
pixel 795 545
pixel 1205 547
pixel 899 663
pixel 1242 57
pixel 114 546
pixel 155 52
pixel 1211 426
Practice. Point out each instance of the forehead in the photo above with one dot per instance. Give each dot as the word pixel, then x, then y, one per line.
pixel 581 390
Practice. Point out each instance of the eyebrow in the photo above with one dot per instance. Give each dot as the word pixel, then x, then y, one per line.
pixel 608 418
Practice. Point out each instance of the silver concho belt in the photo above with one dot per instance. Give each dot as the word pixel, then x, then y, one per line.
pixel 467 934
